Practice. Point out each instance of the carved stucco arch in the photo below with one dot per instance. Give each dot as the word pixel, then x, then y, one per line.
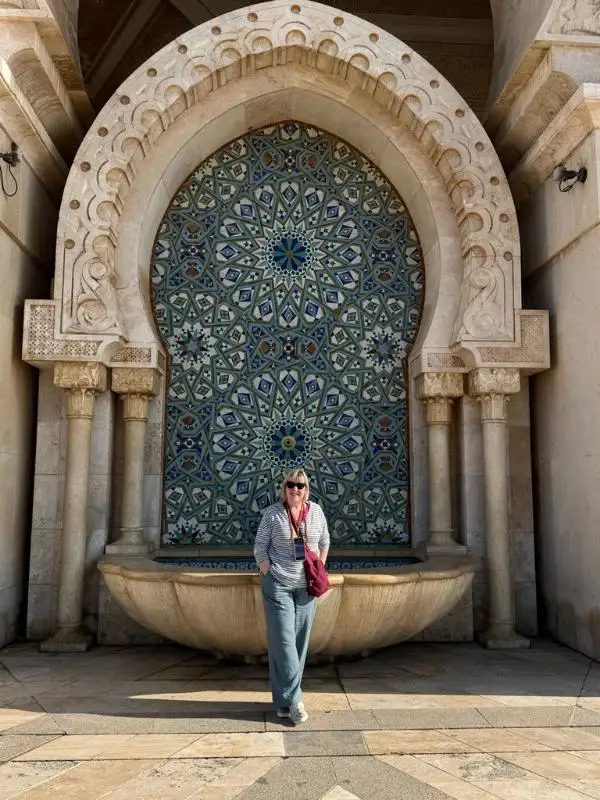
pixel 317 41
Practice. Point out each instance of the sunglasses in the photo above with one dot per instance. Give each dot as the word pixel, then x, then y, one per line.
pixel 292 485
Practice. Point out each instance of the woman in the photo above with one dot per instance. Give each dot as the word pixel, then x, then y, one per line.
pixel 288 608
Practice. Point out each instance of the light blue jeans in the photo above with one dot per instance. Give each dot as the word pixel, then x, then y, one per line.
pixel 290 614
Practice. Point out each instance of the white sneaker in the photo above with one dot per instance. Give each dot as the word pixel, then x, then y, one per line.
pixel 298 714
pixel 283 713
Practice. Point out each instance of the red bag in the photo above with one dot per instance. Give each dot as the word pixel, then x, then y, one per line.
pixel 317 579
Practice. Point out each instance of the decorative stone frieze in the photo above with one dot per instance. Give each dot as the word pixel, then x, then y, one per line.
pixel 281 36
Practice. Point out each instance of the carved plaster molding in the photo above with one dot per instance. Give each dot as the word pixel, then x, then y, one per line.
pixel 83 381
pixel 577 17
pixel 311 37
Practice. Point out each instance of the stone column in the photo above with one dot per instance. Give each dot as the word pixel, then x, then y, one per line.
pixel 492 388
pixel 437 391
pixel 136 388
pixel 82 382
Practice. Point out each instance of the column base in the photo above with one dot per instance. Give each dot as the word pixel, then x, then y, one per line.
pixel 116 549
pixel 68 640
pixel 500 640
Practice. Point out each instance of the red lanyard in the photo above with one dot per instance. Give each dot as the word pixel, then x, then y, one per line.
pixel 296 526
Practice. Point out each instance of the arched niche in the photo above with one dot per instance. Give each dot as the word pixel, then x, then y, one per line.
pixel 239 71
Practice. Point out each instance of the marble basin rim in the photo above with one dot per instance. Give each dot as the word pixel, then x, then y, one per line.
pixel 222 611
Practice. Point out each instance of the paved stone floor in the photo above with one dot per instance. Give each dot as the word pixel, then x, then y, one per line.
pixel 418 721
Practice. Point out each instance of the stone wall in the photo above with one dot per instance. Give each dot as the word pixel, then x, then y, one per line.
pixel 562 233
pixel 27 229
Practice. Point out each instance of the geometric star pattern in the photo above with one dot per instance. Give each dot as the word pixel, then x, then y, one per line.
pixel 287 285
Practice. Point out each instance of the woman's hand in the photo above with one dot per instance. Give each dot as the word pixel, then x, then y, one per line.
pixel 264 566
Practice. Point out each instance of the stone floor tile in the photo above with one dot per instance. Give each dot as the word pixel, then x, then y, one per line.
pixel 380 742
pixel 373 779
pixel 173 780
pixel 290 779
pixel 528 701
pixel 13 746
pixel 588 788
pixel 478 766
pixel 498 740
pixel 324 701
pixel 432 776
pixel 529 789
pixel 429 719
pixel 41 724
pixel 74 748
pixel 148 746
pixel 160 724
pixel 13 718
pixel 590 755
pixel 563 738
pixel 327 721
pixel 555 765
pixel 584 717
pixel 88 780
pixel 16 777
pixel 324 743
pixel 539 717
pixel 235 745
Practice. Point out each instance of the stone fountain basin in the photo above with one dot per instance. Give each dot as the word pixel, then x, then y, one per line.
pixel 222 611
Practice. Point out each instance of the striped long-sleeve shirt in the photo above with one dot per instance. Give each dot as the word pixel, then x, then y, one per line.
pixel 274 541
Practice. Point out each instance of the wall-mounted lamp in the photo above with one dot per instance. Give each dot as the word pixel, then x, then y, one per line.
pixel 567 178
pixel 12 159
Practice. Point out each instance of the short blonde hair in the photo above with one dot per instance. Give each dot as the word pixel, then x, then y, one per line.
pixel 296 475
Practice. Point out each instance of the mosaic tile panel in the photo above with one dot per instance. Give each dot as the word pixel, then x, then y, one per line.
pixel 288 286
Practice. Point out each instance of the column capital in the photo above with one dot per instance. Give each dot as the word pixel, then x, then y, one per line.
pixel 492 388
pixel 82 380
pixel 440 384
pixel 439 410
pixel 136 381
pixel 496 380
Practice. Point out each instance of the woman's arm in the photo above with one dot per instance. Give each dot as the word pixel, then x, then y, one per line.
pixel 262 542
pixel 324 538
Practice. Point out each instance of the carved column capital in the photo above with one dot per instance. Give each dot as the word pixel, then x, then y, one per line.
pixel 132 380
pixel 440 384
pixel 83 381
pixel 136 387
pixel 439 410
pixel 492 388
pixel 437 391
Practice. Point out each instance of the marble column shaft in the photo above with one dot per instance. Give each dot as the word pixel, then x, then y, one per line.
pixel 82 382
pixel 492 388
pixel 136 388
pixel 437 391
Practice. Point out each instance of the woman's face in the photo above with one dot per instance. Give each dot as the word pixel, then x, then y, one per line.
pixel 295 488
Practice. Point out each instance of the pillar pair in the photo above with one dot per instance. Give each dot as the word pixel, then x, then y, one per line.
pixel 492 389
pixel 82 382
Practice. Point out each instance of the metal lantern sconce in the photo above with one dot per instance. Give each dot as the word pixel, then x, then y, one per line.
pixel 12 159
pixel 567 178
